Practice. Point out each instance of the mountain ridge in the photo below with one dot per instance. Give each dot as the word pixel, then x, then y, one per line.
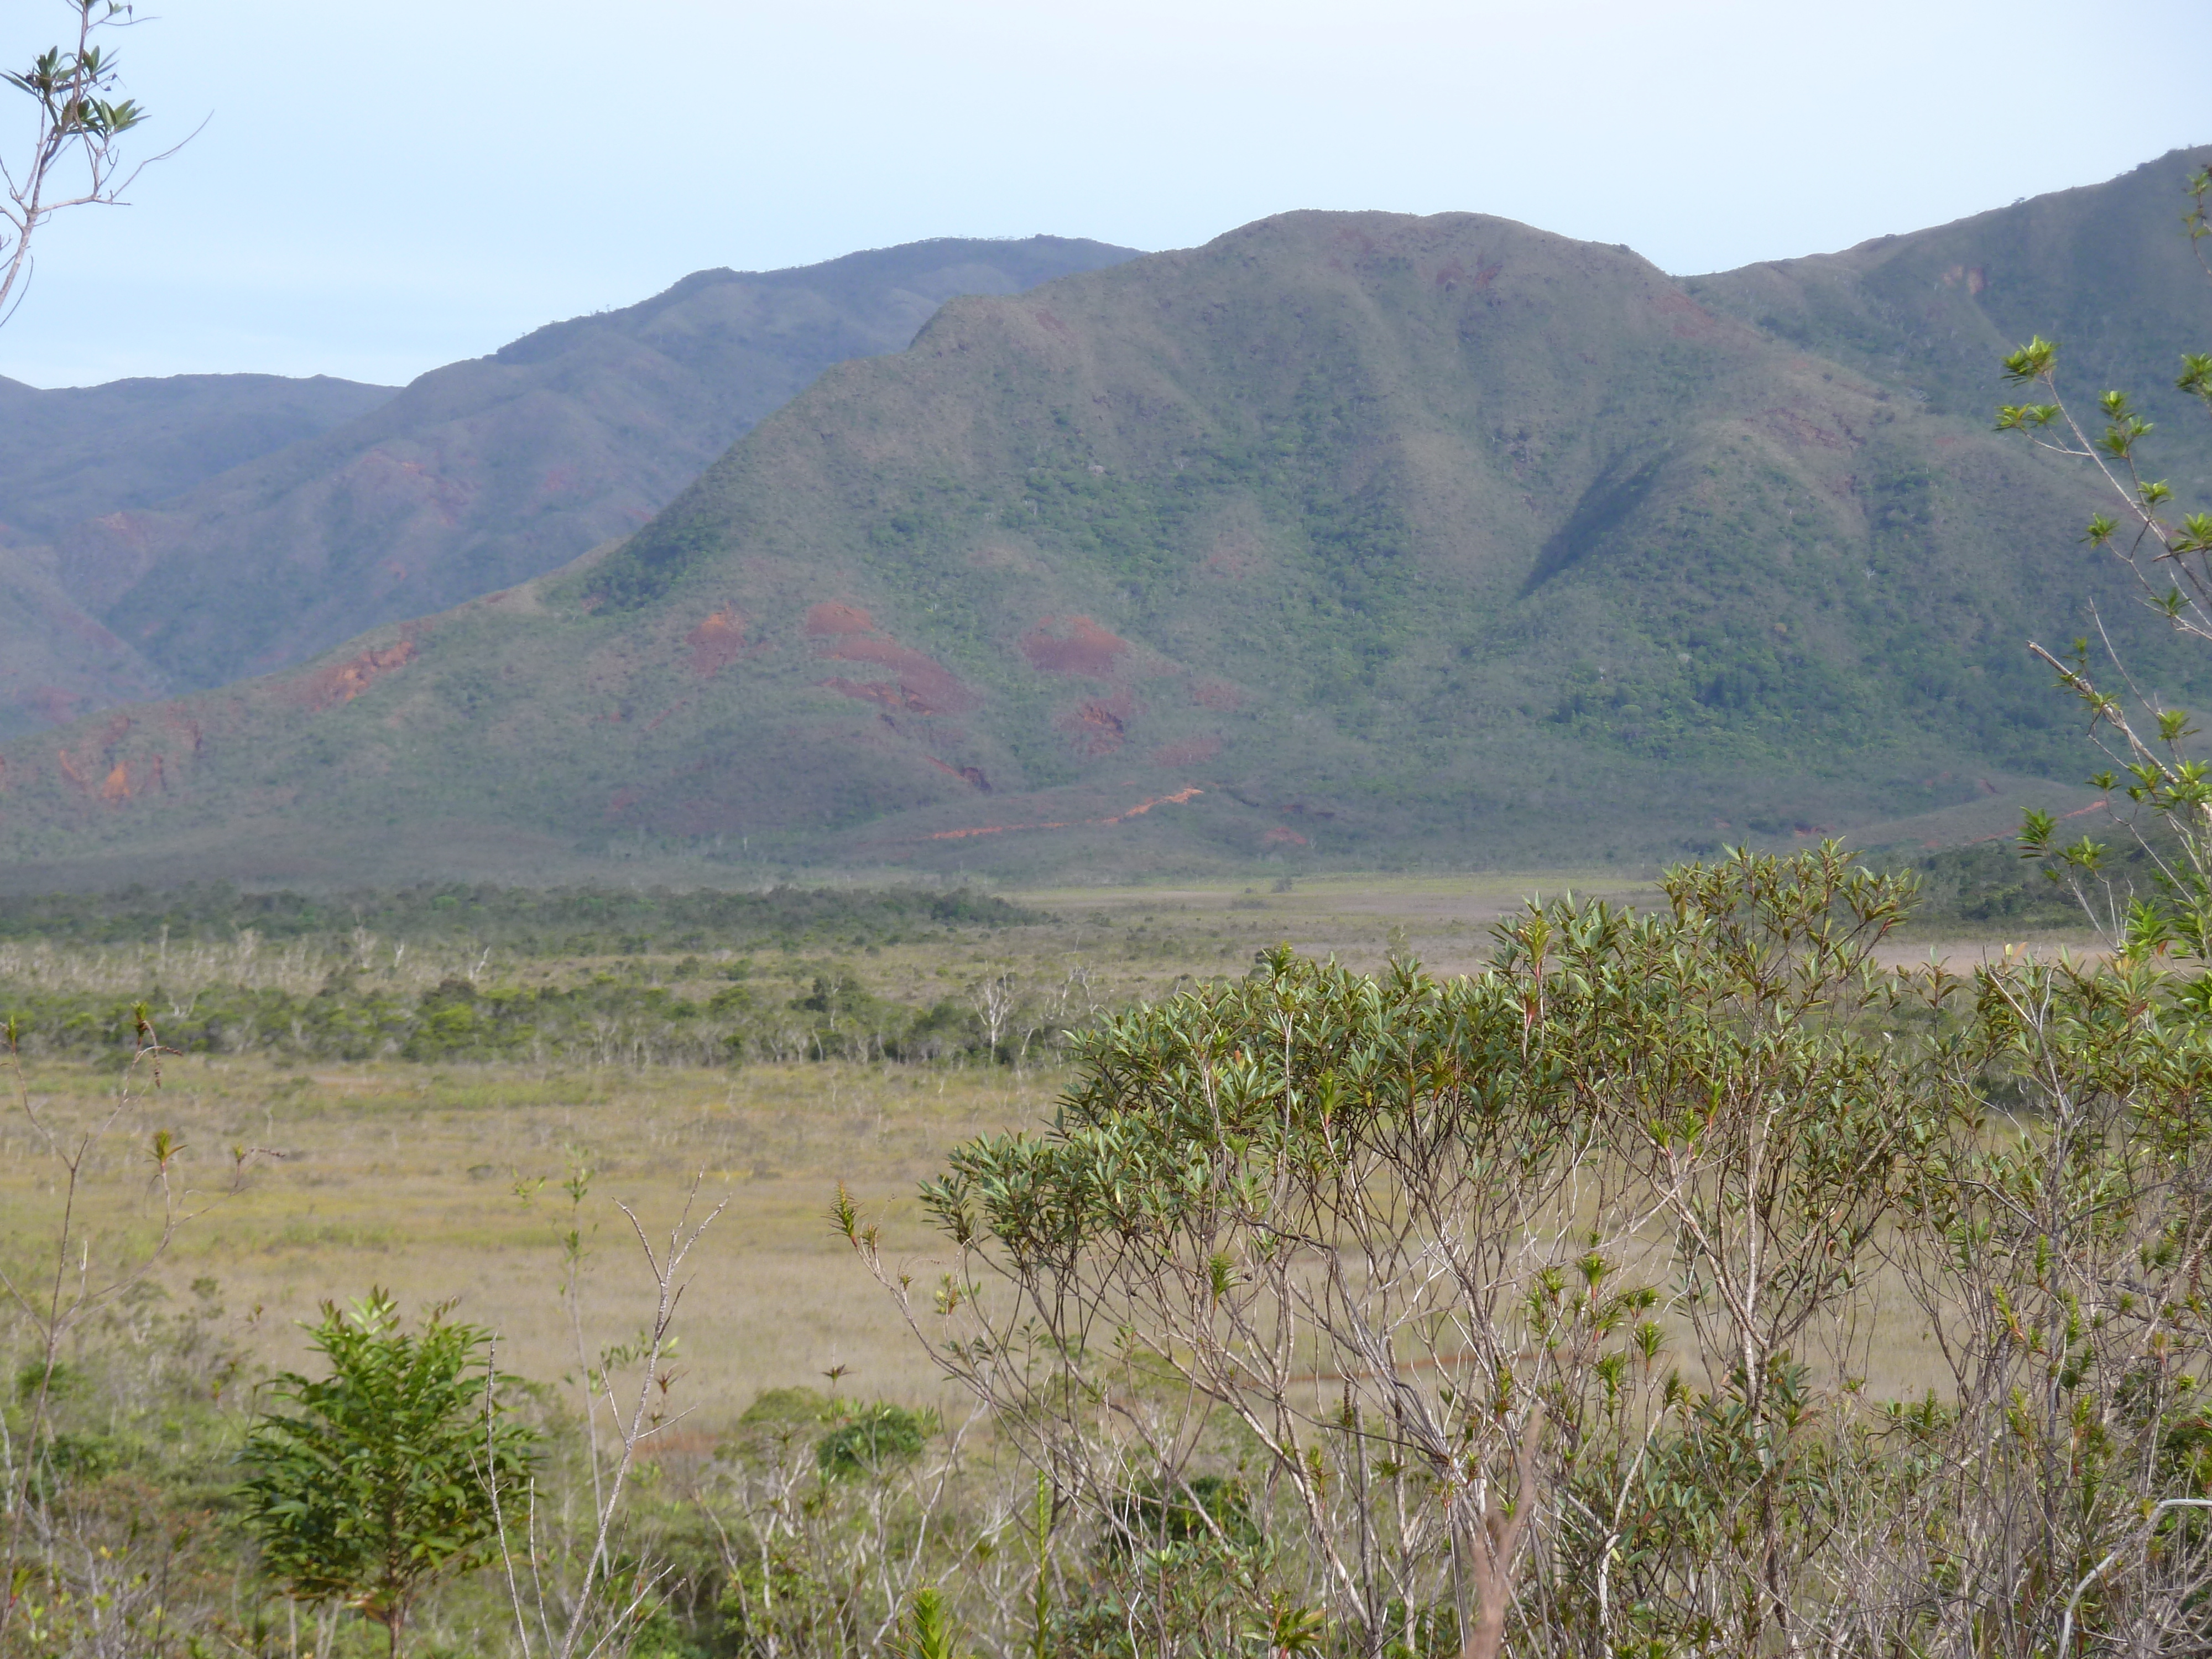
pixel 491 471
pixel 1346 537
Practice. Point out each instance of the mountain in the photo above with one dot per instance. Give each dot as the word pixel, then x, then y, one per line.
pixel 488 472
pixel 1346 537
pixel 2103 269
pixel 79 453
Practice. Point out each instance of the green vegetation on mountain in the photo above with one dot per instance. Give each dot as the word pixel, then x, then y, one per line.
pixel 488 472
pixel 1346 536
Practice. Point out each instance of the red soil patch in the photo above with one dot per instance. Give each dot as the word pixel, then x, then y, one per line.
pixel 1136 811
pixel 1099 726
pixel 1214 694
pixel 834 618
pixel 1280 836
pixel 716 642
pixel 1189 752
pixel 342 681
pixel 1145 806
pixel 925 686
pixel 1085 648
pixel 121 785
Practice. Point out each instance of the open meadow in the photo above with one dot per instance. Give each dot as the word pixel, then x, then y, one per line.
pixel 441 1179
pixel 408 1174
pixel 232 1111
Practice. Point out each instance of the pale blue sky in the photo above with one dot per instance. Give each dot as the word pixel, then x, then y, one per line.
pixel 385 187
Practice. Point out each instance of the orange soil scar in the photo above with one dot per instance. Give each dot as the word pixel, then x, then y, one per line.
pixel 1085 648
pixel 1282 836
pixel 1099 726
pixel 1136 811
pixel 342 681
pixel 893 699
pixel 925 686
pixel 1189 752
pixel 716 642
pixel 836 618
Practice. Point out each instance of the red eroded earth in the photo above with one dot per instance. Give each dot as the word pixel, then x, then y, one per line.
pixel 1080 647
pixel 835 618
pixel 919 684
pixel 1099 726
pixel 716 642
pixel 340 683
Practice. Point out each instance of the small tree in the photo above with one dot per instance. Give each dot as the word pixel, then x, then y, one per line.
pixel 78 116
pixel 2168 555
pixel 378 1485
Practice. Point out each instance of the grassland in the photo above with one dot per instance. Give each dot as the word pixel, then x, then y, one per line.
pixel 405 1174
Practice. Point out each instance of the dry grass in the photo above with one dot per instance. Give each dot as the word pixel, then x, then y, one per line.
pixel 404 1175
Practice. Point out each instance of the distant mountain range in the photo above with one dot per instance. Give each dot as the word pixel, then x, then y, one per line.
pixel 214 526
pixel 1346 537
pixel 86 453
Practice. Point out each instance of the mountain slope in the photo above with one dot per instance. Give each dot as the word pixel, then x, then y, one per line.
pixel 56 660
pixel 85 452
pixel 1346 534
pixel 77 452
pixel 2103 269
pixel 488 472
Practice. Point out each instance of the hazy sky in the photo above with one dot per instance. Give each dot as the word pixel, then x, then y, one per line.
pixel 381 188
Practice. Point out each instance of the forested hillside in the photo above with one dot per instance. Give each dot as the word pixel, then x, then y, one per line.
pixel 1345 535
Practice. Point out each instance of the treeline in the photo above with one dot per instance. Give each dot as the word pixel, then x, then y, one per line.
pixel 606 1021
pixel 572 921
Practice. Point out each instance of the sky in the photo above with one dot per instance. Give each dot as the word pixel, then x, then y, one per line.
pixel 378 189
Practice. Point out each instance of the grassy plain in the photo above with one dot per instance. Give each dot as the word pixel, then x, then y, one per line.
pixel 404 1175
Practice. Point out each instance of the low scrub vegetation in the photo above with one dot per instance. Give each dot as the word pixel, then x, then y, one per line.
pixel 1679 1281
